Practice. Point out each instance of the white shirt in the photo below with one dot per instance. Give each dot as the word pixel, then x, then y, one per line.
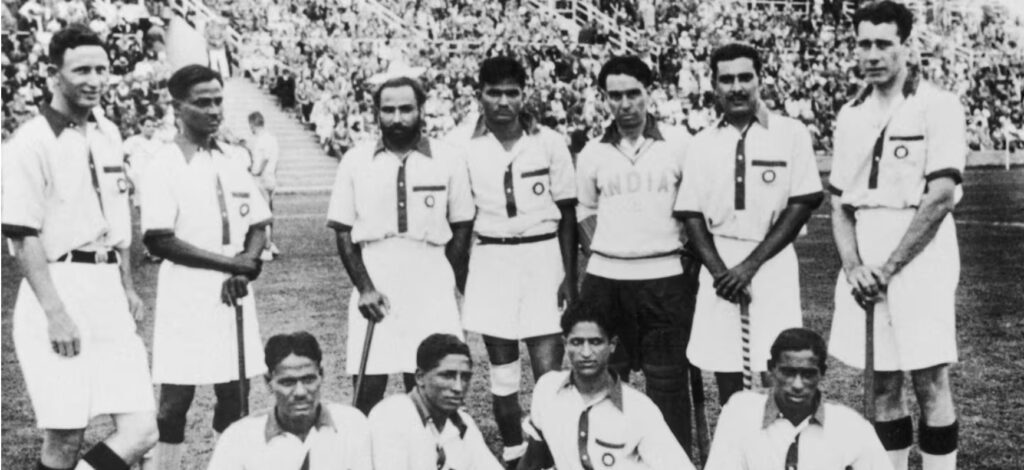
pixel 140 152
pixel 740 194
pixel 378 195
pixel 265 148
pixel 623 429
pixel 753 435
pixel 339 440
pixel 405 438
pixel 925 138
pixel 517 192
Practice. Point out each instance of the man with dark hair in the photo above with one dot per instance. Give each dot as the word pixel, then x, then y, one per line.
pixel 627 183
pixel 66 214
pixel 900 150
pixel 300 431
pixel 202 213
pixel 402 212
pixel 792 426
pixel 524 262
pixel 426 430
pixel 751 185
pixel 589 418
pixel 265 152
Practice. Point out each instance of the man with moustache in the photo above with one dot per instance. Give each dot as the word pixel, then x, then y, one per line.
pixel 627 183
pixel 201 212
pixel 403 213
pixel 66 215
pixel 750 185
pixel 425 429
pixel 900 154
pixel 523 266
pixel 300 431
pixel 793 426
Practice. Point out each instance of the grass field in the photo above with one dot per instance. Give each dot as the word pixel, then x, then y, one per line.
pixel 307 290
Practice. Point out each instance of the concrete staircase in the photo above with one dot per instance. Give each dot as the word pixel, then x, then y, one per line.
pixel 303 167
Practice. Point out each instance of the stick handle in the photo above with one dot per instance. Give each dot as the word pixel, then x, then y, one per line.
pixel 748 372
pixel 243 380
pixel 362 360
pixel 869 362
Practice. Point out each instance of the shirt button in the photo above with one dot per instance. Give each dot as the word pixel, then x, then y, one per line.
pixel 739 157
pixel 401 204
pixel 583 434
pixel 739 178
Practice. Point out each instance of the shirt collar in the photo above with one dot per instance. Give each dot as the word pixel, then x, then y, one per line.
pixel 274 429
pixel 910 86
pixel 760 116
pixel 614 393
pixel 651 131
pixel 422 146
pixel 773 414
pixel 421 408
pixel 58 121
pixel 529 123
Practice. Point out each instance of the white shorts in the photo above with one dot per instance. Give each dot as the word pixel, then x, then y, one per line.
pixel 419 283
pixel 110 375
pixel 715 340
pixel 512 290
pixel 915 324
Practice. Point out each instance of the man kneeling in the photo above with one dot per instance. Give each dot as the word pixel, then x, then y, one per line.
pixel 586 418
pixel 793 427
pixel 301 431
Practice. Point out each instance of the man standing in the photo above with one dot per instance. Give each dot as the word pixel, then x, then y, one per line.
pixel 265 151
pixel 139 151
pixel 587 418
pixel 65 211
pixel 402 211
pixel 202 213
pixel 793 427
pixel 751 185
pixel 300 431
pixel 426 430
pixel 900 151
pixel 627 184
pixel 524 263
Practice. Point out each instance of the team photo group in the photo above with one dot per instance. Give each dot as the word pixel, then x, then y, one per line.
pixel 651 253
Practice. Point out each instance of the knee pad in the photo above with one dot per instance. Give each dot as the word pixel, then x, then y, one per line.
pixel 665 378
pixel 175 401
pixel 103 457
pixel 896 434
pixel 505 378
pixel 229 405
pixel 938 440
pixel 664 347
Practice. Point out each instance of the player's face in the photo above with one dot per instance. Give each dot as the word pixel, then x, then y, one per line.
pixel 148 129
pixel 202 110
pixel 502 102
pixel 880 53
pixel 737 86
pixel 295 383
pixel 796 377
pixel 589 349
pixel 445 386
pixel 83 76
pixel 399 115
pixel 628 100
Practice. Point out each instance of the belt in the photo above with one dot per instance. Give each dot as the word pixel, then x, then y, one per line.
pixel 515 240
pixel 92 257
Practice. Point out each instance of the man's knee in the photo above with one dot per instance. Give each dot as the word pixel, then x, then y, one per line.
pixel 229 405
pixel 175 401
pixel 664 347
pixel 140 428
pixel 62 444
pixel 934 395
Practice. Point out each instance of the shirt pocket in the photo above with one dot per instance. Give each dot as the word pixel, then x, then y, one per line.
pixel 113 180
pixel 609 451
pixel 903 160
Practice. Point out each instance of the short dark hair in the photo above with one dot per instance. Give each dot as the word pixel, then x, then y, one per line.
pixel 256 118
pixel 886 11
pixel 74 36
pixel 299 343
pixel 399 82
pixel 182 81
pixel 147 118
pixel 799 339
pixel 589 310
pixel 499 69
pixel 625 65
pixel 438 346
pixel 733 51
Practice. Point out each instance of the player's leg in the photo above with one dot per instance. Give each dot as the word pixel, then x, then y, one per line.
pixel 374 386
pixel 172 411
pixel 60 448
pixel 938 430
pixel 228 408
pixel 728 384
pixel 892 418
pixel 409 380
pixel 546 353
pixel 506 375
pixel 135 434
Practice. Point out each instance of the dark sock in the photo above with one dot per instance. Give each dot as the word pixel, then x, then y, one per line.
pixel 102 457
pixel 938 440
pixel 896 434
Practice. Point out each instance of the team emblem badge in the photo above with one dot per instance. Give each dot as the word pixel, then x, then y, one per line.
pixel 901 152
pixel 122 185
pixel 608 459
pixel 538 188
pixel 768 176
pixel 243 210
pixel 429 200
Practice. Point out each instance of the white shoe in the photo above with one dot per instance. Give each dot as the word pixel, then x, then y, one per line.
pixel 273 250
pixel 267 256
